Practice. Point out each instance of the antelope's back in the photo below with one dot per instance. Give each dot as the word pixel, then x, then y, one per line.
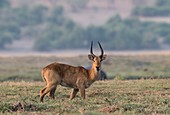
pixel 67 71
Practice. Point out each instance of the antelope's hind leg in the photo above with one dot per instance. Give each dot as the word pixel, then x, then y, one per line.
pixel 42 91
pixel 52 92
pixel 46 90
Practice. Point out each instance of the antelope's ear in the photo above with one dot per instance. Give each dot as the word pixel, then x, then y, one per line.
pixel 103 57
pixel 91 57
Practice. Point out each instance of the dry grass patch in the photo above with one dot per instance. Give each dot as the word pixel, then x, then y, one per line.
pixel 103 97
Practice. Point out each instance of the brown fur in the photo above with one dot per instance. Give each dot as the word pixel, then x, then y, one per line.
pixel 65 75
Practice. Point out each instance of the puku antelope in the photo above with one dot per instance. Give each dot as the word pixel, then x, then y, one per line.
pixel 77 78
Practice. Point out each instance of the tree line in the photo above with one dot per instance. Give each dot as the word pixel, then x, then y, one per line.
pixel 161 8
pixel 52 30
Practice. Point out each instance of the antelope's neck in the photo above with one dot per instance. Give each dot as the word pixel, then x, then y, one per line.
pixel 94 74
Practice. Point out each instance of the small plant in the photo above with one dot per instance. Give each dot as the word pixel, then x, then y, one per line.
pixel 118 77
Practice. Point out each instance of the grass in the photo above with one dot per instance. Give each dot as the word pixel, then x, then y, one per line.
pixel 119 67
pixel 138 85
pixel 103 97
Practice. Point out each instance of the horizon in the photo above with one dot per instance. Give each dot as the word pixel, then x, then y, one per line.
pixel 81 52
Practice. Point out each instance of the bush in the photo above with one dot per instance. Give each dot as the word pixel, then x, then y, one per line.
pixel 52 30
pixel 4 3
pixel 161 9
pixel 162 3
pixel 8 32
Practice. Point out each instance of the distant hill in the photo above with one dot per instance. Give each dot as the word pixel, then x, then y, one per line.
pixel 87 12
pixel 122 26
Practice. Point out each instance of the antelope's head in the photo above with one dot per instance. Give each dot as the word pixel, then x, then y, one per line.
pixel 96 59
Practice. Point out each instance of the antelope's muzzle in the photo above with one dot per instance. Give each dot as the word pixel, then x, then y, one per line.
pixel 98 68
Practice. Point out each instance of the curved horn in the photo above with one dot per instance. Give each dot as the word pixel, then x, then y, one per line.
pixel 91 49
pixel 102 52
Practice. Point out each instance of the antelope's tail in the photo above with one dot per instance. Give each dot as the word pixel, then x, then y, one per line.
pixel 42 74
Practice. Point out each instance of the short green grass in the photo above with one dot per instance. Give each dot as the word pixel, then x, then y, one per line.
pixel 103 97
pixel 28 68
pixel 138 85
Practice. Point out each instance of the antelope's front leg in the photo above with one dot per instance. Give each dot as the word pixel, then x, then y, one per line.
pixel 73 93
pixel 81 87
pixel 82 92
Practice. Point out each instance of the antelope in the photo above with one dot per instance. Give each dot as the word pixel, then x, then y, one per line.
pixel 65 75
